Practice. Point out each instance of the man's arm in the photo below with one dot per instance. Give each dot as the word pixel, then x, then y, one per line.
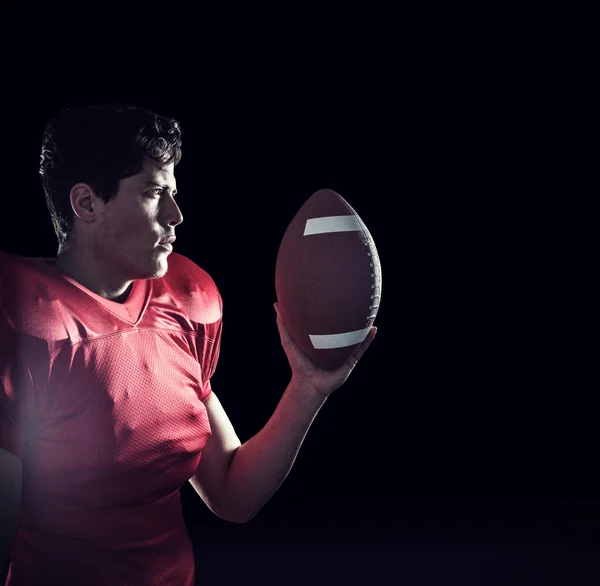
pixel 11 485
pixel 236 481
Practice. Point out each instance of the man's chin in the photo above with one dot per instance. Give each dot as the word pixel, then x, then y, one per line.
pixel 160 268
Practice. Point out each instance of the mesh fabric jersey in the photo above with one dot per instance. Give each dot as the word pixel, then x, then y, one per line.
pixel 104 403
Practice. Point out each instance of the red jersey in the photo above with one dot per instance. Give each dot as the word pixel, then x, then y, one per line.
pixel 103 401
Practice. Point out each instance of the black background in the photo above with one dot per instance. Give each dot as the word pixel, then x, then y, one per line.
pixel 465 136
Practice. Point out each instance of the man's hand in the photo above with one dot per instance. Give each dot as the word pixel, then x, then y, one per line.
pixel 307 374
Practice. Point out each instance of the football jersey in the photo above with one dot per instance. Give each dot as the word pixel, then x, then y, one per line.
pixel 104 403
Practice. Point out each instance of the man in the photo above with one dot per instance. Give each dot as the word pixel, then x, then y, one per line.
pixel 106 404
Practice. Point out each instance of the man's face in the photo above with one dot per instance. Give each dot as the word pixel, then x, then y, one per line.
pixel 131 225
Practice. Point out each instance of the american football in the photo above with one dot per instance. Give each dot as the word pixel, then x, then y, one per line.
pixel 328 279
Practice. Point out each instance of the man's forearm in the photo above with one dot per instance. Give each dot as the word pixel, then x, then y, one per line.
pixel 4 565
pixel 262 463
pixel 8 532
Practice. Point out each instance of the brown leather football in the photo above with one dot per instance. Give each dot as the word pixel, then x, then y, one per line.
pixel 328 279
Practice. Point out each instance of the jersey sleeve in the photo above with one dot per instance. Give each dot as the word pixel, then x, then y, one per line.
pixel 16 390
pixel 210 358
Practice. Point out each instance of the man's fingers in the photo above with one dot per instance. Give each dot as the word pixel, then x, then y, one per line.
pixel 353 360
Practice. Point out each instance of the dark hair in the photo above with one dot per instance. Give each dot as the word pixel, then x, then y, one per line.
pixel 100 144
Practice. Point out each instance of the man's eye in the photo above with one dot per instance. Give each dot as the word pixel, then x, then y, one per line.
pixel 159 192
